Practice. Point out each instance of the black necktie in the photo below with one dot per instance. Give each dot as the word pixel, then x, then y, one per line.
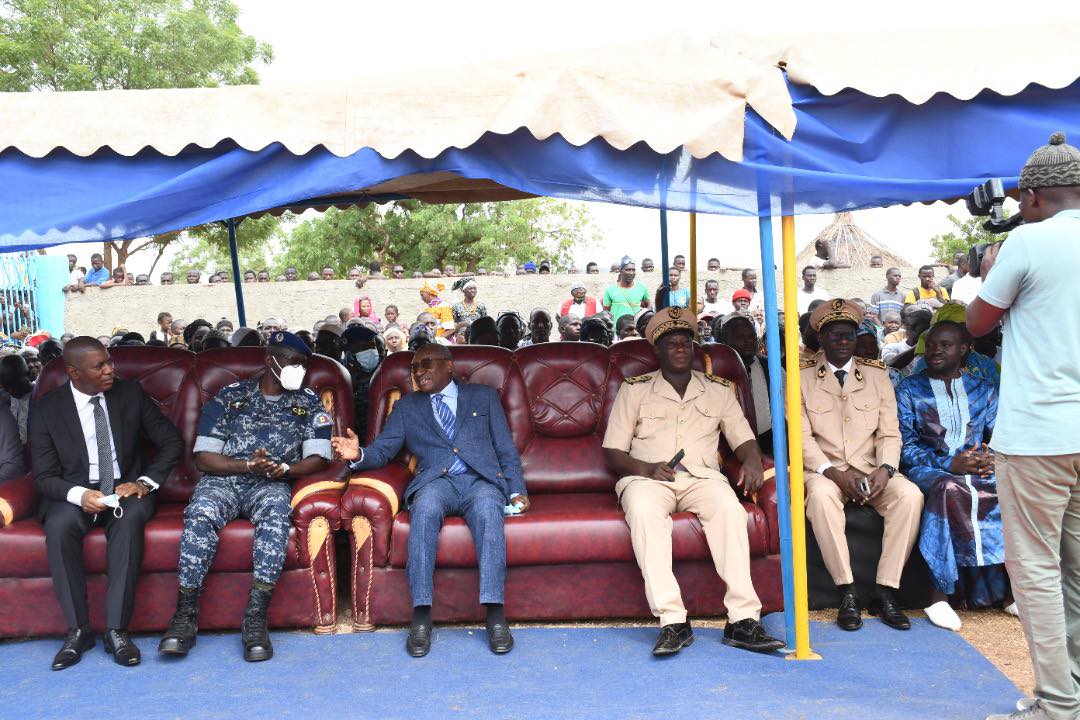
pixel 104 448
pixel 840 375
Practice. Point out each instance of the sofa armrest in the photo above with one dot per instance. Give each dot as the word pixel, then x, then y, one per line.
pixel 376 496
pixel 764 498
pixel 18 499
pixel 316 502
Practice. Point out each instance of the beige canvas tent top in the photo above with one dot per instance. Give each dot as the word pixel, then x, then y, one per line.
pixel 677 91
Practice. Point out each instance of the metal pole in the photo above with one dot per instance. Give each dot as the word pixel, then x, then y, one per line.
pixel 238 279
pixel 776 405
pixel 794 403
pixel 663 248
pixel 693 263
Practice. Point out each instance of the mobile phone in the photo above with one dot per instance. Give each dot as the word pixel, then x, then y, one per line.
pixel 864 486
pixel 674 462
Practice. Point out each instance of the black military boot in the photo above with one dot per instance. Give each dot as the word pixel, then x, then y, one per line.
pixel 180 637
pixel 253 632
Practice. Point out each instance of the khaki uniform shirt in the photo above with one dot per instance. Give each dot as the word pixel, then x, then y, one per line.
pixel 854 426
pixel 651 422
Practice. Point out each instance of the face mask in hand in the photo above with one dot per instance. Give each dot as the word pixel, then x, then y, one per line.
pixel 368 360
pixel 291 376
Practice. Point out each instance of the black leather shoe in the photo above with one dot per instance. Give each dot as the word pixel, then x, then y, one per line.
pixel 419 641
pixel 254 633
pixel 673 638
pixel 749 634
pixel 76 642
pixel 886 608
pixel 849 616
pixel 499 638
pixel 118 644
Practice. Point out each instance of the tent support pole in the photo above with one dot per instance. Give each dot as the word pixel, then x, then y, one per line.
pixel 238 279
pixel 663 249
pixel 693 264
pixel 794 403
pixel 776 404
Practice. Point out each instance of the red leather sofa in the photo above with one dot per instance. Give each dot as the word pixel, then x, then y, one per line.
pixel 570 557
pixel 180 382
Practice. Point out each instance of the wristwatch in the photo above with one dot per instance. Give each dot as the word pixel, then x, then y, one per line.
pixel 145 484
pixel 889 469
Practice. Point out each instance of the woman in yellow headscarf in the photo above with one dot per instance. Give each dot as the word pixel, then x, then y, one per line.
pixel 438 307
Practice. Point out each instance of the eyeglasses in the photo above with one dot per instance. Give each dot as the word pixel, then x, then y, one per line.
pixel 839 335
pixel 425 364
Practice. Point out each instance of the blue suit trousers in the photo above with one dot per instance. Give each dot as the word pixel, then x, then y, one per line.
pixel 481 504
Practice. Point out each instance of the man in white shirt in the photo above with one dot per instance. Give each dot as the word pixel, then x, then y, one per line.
pixel 1031 285
pixel 966 287
pixel 810 290
pixel 86 447
pixel 712 304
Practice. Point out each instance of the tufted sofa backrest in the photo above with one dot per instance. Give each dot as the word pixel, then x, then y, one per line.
pixel 181 382
pixel 557 398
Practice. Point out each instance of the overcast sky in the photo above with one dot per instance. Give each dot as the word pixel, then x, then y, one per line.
pixel 332 38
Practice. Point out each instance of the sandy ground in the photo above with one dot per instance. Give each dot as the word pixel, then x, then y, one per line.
pixel 97 312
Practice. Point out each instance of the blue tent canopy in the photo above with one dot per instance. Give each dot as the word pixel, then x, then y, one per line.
pixel 850 151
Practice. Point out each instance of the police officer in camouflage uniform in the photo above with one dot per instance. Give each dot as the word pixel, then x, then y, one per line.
pixel 254 437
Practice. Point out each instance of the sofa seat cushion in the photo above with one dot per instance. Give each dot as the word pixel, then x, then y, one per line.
pixel 22 546
pixel 570 528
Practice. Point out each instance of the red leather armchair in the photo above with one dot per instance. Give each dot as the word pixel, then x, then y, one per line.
pixel 570 556
pixel 180 382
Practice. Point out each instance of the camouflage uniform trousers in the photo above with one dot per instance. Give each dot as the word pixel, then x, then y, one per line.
pixel 219 499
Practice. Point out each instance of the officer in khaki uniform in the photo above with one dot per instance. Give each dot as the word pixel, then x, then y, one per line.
pixel 851 447
pixel 655 416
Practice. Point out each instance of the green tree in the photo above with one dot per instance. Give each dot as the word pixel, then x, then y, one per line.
pixel 420 236
pixel 124 44
pixel 964 234
pixel 64 45
pixel 206 248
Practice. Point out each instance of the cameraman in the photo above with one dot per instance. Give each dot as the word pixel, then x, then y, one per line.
pixel 1030 282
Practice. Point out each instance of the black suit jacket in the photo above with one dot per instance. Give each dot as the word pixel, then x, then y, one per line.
pixel 58 447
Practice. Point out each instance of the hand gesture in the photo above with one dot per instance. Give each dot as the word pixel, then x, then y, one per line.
pixel 971 462
pixel 878 480
pixel 848 482
pixel 348 447
pixel 525 505
pixel 751 477
pixel 91 502
pixel 261 464
pixel 132 488
pixel 658 471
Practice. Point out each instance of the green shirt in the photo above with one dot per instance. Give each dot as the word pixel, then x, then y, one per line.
pixel 624 301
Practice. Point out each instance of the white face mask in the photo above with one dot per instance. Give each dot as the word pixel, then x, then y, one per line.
pixel 291 376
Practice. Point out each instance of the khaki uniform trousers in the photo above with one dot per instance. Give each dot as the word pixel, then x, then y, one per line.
pixel 648 505
pixel 900 503
pixel 1040 514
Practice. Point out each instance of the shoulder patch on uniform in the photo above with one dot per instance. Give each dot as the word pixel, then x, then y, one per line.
pixel 717 379
pixel 810 362
pixel 872 363
pixel 323 419
pixel 634 380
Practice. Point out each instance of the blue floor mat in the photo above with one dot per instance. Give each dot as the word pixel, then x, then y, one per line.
pixel 553 673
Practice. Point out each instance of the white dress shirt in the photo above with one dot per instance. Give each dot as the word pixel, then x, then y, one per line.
pixel 85 409
pixel 832 368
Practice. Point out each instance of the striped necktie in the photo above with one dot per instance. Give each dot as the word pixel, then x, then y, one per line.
pixel 446 419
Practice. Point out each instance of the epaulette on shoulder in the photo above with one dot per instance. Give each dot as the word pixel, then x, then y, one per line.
pixel 807 363
pixel 717 379
pixel 871 363
pixel 639 379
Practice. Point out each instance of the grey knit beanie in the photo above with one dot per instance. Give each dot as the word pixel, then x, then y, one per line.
pixel 1052 165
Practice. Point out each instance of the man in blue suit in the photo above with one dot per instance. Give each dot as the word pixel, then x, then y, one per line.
pixel 467 465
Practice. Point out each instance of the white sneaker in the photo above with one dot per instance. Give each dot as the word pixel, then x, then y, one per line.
pixel 1012 609
pixel 1032 712
pixel 1025 702
pixel 942 615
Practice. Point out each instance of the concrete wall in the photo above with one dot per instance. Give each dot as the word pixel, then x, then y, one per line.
pixel 97 312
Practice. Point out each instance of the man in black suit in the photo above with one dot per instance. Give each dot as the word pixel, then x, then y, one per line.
pixel 95 416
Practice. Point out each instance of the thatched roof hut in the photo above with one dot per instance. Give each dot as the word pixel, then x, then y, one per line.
pixel 851 245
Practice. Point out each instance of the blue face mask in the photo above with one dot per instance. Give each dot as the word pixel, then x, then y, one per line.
pixel 368 360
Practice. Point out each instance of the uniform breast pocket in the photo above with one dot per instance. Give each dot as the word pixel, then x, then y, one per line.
pixel 867 409
pixel 707 416
pixel 652 419
pixel 820 414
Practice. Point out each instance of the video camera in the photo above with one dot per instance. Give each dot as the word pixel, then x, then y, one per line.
pixel 988 200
